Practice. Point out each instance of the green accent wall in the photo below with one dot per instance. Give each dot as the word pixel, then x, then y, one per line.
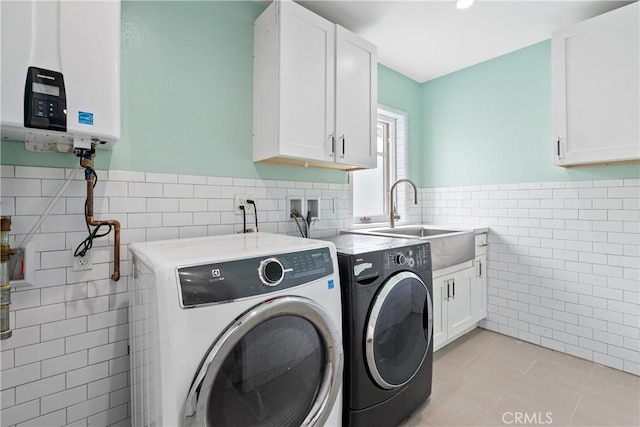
pixel 187 73
pixel 401 93
pixel 492 124
pixel 187 90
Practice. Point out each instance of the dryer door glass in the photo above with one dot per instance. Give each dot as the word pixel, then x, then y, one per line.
pixel 278 364
pixel 398 330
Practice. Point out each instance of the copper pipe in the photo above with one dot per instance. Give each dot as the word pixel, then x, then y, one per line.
pixel 116 228
pixel 5 283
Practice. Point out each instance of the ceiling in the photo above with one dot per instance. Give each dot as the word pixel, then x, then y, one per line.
pixel 425 39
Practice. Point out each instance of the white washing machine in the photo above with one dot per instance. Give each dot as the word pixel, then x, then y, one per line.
pixel 238 330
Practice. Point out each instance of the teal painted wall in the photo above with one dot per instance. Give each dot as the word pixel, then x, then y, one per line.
pixel 492 124
pixel 401 93
pixel 187 95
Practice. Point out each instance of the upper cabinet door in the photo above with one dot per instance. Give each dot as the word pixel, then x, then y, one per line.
pixel 308 73
pixel 596 89
pixel 307 92
pixel 356 99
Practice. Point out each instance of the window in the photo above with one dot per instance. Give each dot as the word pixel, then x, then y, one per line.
pixel 370 187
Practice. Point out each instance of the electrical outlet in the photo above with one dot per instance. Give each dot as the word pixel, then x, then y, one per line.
pixel 80 263
pixel 240 200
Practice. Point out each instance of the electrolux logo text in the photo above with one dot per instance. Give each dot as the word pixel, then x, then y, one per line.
pixel 527 418
pixel 216 275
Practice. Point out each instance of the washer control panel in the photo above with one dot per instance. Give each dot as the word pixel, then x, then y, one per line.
pixel 233 280
pixel 271 272
pixel 416 256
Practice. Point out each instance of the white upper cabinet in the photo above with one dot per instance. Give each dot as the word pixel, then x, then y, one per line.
pixel 294 84
pixel 314 91
pixel 596 89
pixel 356 99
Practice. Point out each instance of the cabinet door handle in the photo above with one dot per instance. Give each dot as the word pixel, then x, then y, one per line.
pixel 479 268
pixel 454 288
pixel 558 148
pixel 333 145
pixel 343 143
pixel 448 295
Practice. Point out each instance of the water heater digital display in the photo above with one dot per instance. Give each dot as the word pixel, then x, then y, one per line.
pixel 45 89
pixel 45 104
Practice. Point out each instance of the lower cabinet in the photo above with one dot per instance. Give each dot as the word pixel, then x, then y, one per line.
pixel 452 304
pixel 459 300
pixel 479 289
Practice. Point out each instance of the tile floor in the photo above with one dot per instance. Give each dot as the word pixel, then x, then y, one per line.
pixel 489 379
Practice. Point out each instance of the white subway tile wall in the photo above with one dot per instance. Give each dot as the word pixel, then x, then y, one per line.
pixel 563 262
pixel 564 271
pixel 67 361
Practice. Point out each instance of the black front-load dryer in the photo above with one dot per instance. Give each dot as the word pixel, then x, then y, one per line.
pixel 387 327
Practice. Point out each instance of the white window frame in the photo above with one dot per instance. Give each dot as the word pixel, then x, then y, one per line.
pixel 396 165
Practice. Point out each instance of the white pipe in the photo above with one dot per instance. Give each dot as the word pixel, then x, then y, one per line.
pixel 47 210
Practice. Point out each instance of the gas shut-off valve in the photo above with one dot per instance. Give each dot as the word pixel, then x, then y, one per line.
pixel 5 285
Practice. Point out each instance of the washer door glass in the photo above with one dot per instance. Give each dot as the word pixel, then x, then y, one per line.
pixel 272 376
pixel 399 330
pixel 279 364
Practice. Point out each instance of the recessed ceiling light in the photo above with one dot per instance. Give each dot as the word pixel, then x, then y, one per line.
pixel 464 4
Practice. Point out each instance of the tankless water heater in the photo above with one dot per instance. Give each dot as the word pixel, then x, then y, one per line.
pixel 60 73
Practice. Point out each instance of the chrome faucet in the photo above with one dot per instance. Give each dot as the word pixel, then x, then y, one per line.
pixel 392 214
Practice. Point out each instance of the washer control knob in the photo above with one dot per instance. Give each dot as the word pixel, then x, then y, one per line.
pixel 271 272
pixel 399 258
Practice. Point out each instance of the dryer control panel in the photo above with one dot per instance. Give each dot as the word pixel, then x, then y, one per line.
pixel 236 279
pixel 417 257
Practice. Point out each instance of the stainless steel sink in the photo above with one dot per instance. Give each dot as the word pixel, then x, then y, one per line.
pixel 448 247
pixel 418 232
